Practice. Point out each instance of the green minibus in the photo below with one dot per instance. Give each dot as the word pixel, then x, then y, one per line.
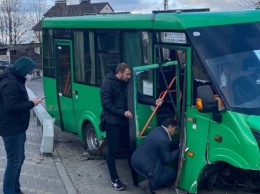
pixel 204 64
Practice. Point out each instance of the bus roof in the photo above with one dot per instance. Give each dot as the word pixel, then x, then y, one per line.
pixel 177 21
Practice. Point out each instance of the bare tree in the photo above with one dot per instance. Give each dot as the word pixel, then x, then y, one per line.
pixel 17 18
pixel 248 4
pixel 20 28
pixel 36 10
pixel 3 30
pixel 13 21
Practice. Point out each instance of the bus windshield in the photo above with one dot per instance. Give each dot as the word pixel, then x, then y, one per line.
pixel 231 54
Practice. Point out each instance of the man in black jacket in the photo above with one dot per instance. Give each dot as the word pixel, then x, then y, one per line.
pixel 114 102
pixel 14 119
pixel 152 157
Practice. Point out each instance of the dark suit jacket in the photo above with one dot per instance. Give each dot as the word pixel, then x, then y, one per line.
pixel 153 153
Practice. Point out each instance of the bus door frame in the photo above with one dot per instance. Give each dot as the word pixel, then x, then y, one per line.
pixel 132 106
pixel 65 102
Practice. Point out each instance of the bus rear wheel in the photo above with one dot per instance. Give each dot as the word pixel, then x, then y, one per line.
pixel 90 138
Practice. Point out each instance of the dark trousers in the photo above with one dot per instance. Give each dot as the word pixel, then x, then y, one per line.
pixel 116 135
pixel 167 176
pixel 14 148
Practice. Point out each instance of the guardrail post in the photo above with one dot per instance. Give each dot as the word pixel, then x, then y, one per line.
pixel 33 113
pixel 38 122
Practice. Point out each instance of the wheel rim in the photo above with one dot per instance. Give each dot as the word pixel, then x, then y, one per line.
pixel 92 142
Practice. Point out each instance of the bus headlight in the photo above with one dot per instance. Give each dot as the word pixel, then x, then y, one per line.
pixel 257 135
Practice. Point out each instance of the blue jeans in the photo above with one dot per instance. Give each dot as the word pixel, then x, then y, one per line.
pixel 14 148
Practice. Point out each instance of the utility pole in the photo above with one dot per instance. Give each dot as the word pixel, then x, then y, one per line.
pixel 165 4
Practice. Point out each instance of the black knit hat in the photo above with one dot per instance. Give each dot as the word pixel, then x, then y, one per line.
pixel 23 66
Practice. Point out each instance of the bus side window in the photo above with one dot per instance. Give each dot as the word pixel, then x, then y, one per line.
pixel 84 57
pixel 108 53
pixel 48 60
pixel 108 64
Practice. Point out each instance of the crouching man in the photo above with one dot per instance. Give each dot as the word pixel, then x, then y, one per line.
pixel 152 157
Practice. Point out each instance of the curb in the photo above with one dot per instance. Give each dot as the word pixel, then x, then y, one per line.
pixel 63 173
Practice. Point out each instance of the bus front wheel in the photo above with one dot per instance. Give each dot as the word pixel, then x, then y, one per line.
pixel 90 138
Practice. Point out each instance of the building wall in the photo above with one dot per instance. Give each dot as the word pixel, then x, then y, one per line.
pixel 106 9
pixel 5 57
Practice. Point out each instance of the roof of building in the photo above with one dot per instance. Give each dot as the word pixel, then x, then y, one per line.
pixel 61 9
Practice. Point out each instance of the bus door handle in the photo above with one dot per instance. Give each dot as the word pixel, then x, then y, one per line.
pixel 75 92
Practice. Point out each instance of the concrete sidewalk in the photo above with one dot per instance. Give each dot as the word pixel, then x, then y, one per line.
pixel 40 174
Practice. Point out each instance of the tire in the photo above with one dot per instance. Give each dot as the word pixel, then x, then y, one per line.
pixel 90 138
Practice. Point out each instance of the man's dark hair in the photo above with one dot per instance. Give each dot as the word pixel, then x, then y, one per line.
pixel 169 121
pixel 121 67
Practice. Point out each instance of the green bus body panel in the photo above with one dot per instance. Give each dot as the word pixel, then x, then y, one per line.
pixel 196 141
pixel 253 122
pixel 92 118
pixel 80 105
pixel 235 134
pixel 67 111
pixel 202 19
pixel 176 21
pixel 100 22
pixel 201 133
pixel 51 100
pixel 84 102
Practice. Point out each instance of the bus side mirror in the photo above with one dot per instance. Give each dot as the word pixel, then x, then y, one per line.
pixel 206 102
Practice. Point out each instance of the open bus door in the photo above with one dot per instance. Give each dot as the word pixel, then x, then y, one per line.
pixel 64 61
pixel 149 80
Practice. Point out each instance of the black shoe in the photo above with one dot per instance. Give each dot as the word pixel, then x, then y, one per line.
pixel 118 185
pixel 145 186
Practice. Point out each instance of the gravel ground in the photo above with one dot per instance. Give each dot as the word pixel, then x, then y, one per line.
pixel 89 174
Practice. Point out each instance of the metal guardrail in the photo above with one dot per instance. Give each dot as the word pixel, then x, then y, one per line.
pixel 47 122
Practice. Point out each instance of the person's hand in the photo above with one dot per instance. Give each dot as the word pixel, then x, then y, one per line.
pixel 128 114
pixel 159 102
pixel 36 101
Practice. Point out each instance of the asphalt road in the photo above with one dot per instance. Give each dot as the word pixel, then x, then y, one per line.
pixel 88 174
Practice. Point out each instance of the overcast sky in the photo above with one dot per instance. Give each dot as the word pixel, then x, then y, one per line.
pixel 146 6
